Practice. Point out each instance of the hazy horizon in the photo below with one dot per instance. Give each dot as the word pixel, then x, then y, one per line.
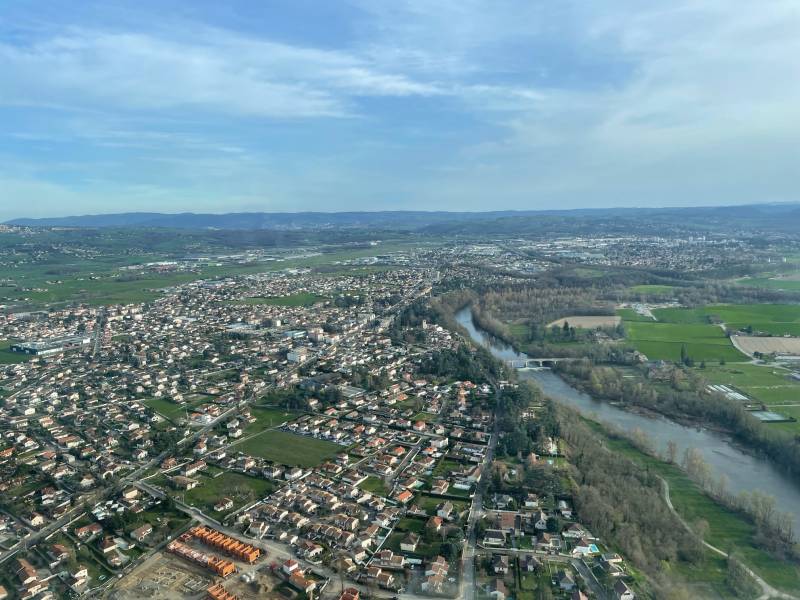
pixel 112 107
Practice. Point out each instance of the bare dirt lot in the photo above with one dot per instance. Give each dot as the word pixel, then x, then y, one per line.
pixel 767 345
pixel 168 577
pixel 163 576
pixel 588 322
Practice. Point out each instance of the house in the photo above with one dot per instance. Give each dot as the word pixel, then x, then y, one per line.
pixel 497 589
pixel 445 510
pixel 565 581
pixel 500 564
pixel 438 566
pixel 350 594
pixel 434 524
pixel 108 545
pixel 290 566
pixel 410 542
pixel 140 533
pixel 404 497
pixel 540 520
pixel 57 554
pixel 494 537
pixel 531 501
pixel 575 531
pixel 584 547
pixel 88 531
pixel 223 505
pixel 433 584
pixel 385 580
pixel 529 563
pixel 548 541
pixel 622 591
pixel 298 581
pixel 184 483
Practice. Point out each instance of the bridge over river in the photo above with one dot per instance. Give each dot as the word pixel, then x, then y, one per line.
pixel 526 363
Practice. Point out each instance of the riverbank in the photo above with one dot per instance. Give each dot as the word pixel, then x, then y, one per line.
pixel 728 530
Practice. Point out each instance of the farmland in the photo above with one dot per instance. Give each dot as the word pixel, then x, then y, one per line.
pixel 767 345
pixel 587 322
pixel 769 385
pixel 628 314
pixel 663 341
pixel 774 319
pixel 789 284
pixel 288 448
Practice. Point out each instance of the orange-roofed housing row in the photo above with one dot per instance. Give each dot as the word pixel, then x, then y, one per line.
pixel 220 566
pixel 217 592
pixel 227 544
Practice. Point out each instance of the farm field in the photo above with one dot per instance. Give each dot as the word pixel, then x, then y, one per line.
pixel 767 384
pixel 628 314
pixel 768 345
pixel 289 448
pixel 772 283
pixel 663 341
pixel 588 322
pixel 775 319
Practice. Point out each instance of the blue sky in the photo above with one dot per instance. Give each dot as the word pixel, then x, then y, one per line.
pixel 404 104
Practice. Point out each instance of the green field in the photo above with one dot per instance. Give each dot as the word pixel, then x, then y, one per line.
pixel 242 489
pixel 663 341
pixel 7 357
pixel 767 384
pixel 788 285
pixel 300 299
pixel 727 529
pixel 628 314
pixel 289 449
pixel 171 410
pixel 776 319
pixel 375 485
pixel 429 504
pixel 268 417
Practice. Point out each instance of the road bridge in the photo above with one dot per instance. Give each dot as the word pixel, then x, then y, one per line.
pixel 527 363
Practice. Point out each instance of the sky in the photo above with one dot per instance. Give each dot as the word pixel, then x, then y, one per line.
pixel 294 105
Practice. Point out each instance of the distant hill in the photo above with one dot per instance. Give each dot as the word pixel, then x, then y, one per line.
pixel 263 220
pixel 781 217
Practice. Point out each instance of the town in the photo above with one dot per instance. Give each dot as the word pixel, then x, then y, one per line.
pixel 267 432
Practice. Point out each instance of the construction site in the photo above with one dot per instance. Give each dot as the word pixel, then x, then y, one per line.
pixel 216 565
pixel 170 576
pixel 216 539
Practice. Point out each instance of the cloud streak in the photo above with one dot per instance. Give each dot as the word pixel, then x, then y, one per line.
pixel 221 73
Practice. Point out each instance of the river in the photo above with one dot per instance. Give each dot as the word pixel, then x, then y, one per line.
pixel 743 471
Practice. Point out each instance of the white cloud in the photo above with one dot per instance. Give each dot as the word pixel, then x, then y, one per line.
pixel 218 71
